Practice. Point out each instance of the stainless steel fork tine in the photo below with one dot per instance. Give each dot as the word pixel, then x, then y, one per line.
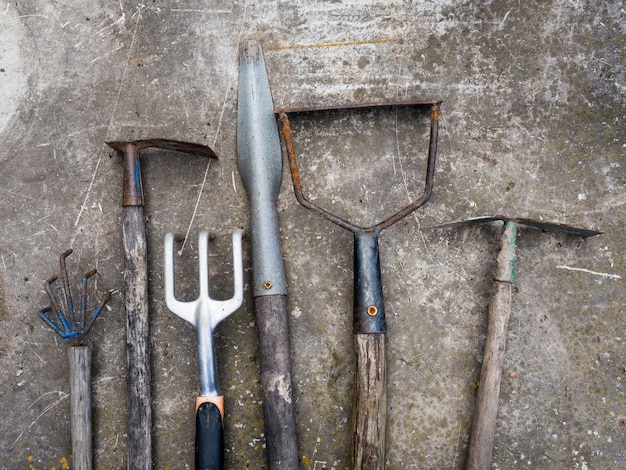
pixel 205 313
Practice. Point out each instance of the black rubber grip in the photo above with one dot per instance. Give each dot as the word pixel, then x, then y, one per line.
pixel 209 437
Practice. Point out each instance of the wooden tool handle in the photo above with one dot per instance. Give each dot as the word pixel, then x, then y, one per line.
pixel 137 340
pixel 278 409
pixel 210 433
pixel 80 398
pixel 370 402
pixel 484 422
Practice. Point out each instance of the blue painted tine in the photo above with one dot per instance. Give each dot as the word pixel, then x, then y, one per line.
pixel 53 325
pixel 55 302
pixel 96 312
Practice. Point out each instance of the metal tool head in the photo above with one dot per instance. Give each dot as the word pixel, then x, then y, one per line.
pixel 164 144
pixel 434 105
pixel 540 224
pixel 132 189
pixel 204 313
pixel 260 167
pixel 67 324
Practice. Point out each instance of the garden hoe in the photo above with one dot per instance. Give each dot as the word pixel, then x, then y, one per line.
pixel 136 295
pixel 369 312
pixel 486 410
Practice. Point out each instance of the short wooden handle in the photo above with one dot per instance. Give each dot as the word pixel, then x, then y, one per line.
pixel 80 398
pixel 484 421
pixel 370 402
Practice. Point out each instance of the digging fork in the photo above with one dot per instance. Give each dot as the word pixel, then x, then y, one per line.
pixel 204 314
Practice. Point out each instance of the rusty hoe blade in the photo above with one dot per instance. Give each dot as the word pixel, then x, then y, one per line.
pixel 540 224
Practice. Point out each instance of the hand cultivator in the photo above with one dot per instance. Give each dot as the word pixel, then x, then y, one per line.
pixel 74 327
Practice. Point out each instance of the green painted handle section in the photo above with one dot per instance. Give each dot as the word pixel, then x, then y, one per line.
pixel 506 257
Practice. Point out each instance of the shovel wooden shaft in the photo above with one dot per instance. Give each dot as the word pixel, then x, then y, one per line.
pixel 80 405
pixel 484 421
pixel 137 340
pixel 370 414
pixel 278 407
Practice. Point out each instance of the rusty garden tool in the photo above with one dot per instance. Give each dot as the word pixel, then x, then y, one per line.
pixel 369 312
pixel 204 314
pixel 136 295
pixel 75 328
pixel 260 167
pixel 486 410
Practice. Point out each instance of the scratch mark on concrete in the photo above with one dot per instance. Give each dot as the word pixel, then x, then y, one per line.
pixel 117 99
pixel 122 19
pixel 63 395
pixel 331 44
pixel 231 76
pixel 595 273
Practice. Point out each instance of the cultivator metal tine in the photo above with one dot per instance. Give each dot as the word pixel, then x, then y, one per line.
pixel 70 326
pixel 56 306
pixel 67 291
pixel 83 297
pixel 96 312
pixel 43 314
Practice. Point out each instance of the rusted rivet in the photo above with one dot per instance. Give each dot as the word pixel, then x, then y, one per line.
pixel 267 284
pixel 371 310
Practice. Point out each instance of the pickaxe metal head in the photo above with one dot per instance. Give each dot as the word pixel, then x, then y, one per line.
pixel 129 150
pixel 508 241
pixel 551 226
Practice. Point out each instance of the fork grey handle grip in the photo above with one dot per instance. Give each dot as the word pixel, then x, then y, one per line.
pixel 210 434
pixel 80 404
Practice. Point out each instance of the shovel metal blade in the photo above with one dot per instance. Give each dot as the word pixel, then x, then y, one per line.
pixel 260 167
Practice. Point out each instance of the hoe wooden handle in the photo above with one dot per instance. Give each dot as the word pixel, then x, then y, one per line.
pixel 137 340
pixel 371 402
pixel 484 422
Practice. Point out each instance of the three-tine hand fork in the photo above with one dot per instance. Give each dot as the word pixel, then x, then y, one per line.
pixel 205 313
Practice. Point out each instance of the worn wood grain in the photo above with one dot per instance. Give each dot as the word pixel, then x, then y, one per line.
pixel 80 406
pixel 137 340
pixel 370 415
pixel 278 409
pixel 485 413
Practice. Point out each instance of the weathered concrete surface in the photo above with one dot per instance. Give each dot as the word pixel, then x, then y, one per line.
pixel 532 125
